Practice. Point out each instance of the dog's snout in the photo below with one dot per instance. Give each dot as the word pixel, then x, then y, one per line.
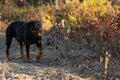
pixel 39 34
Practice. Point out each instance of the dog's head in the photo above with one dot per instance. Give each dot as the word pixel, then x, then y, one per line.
pixel 35 28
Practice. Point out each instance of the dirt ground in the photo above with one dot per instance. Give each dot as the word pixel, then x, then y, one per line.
pixel 52 66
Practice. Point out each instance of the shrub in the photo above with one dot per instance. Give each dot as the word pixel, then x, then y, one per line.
pixel 95 21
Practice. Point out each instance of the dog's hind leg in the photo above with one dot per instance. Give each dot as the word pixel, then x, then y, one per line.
pixel 8 43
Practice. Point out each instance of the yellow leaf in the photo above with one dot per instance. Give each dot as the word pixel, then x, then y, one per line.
pixel 72 18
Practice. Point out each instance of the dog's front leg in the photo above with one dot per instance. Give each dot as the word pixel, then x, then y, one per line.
pixel 22 50
pixel 39 45
pixel 27 52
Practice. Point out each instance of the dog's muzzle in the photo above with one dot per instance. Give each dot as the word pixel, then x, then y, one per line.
pixel 37 33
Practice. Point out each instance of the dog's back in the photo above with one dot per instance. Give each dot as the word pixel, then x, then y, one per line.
pixel 15 28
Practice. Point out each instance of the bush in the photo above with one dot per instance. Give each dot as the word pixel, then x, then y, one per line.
pixel 94 21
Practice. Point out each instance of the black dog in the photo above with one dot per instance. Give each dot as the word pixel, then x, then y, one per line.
pixel 26 33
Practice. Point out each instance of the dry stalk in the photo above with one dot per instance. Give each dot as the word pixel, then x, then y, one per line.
pixel 4 69
pixel 106 65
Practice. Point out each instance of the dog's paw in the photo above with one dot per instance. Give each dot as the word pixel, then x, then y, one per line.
pixel 37 61
pixel 27 60
pixel 8 59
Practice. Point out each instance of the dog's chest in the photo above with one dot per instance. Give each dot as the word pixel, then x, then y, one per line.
pixel 34 40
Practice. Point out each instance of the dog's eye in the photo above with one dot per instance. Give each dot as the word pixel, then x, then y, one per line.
pixel 37 24
pixel 36 28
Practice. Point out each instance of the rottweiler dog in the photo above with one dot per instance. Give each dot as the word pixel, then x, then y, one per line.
pixel 26 33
